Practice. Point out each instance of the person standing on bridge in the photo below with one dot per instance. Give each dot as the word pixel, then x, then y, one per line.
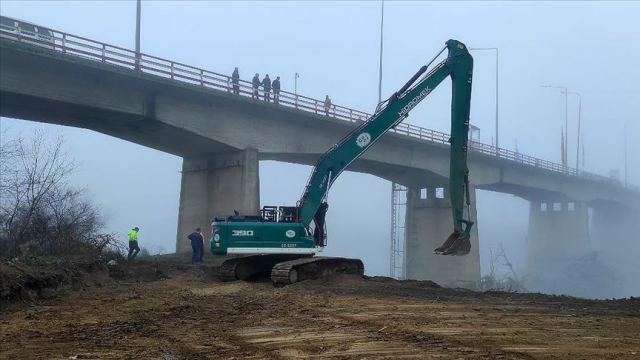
pixel 256 85
pixel 266 82
pixel 327 105
pixel 235 78
pixel 133 243
pixel 197 244
pixel 276 90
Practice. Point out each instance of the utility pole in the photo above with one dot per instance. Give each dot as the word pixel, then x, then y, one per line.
pixel 497 67
pixel 625 155
pixel 139 6
pixel 624 129
pixel 392 250
pixel 380 74
pixel 579 112
pixel 566 118
pixel 497 59
pixel 295 86
pixel 566 127
pixel 583 152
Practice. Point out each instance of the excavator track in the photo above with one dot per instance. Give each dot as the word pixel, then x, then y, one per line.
pixel 292 271
pixel 228 269
pixel 244 267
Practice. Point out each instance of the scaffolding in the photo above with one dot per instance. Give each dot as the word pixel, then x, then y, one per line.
pixel 398 209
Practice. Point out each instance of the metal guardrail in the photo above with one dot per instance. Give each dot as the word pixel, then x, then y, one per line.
pixel 115 55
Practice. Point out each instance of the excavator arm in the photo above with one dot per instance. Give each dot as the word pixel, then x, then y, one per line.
pixel 312 206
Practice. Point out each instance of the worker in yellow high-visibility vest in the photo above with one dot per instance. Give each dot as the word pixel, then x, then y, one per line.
pixel 133 243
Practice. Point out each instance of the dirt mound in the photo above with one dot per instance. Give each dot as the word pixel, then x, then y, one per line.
pixel 343 280
pixel 159 270
pixel 333 280
pixel 137 272
pixel 419 283
pixel 45 278
pixel 41 277
pixel 376 286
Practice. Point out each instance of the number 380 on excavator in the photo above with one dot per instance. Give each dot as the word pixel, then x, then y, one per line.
pixel 284 240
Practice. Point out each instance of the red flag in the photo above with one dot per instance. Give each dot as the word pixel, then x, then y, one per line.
pixel 562 146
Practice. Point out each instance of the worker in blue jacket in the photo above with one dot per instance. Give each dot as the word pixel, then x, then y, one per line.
pixel 197 244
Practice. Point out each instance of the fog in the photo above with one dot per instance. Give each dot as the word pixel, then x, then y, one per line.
pixel 590 47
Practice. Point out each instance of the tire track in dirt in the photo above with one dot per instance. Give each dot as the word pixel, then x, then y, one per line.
pixel 490 331
pixel 285 325
pixel 441 344
pixel 313 329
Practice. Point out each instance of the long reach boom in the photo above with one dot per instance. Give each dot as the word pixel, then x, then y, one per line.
pixel 458 65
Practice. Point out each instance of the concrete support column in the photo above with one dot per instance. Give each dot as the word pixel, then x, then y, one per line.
pixel 214 186
pixel 428 223
pixel 557 232
pixel 614 230
pixel 615 226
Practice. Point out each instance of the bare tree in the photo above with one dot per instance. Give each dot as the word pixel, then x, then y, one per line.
pixel 68 221
pixel 503 282
pixel 38 168
pixel 508 264
pixel 38 209
pixel 8 158
pixel 9 149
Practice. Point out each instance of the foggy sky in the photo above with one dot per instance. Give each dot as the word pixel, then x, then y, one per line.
pixel 590 47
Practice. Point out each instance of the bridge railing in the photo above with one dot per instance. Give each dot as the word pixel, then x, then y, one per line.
pixel 118 56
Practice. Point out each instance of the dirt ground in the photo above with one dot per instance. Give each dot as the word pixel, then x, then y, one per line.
pixel 172 310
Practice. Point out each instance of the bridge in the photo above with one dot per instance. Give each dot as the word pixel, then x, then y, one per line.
pixel 222 134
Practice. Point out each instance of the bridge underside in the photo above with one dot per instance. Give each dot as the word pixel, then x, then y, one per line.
pixel 524 192
pixel 417 178
pixel 410 177
pixel 139 129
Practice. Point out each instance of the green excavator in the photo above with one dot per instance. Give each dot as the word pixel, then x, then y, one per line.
pixel 284 240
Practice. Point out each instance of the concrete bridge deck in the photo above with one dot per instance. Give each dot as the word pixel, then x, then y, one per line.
pixel 190 120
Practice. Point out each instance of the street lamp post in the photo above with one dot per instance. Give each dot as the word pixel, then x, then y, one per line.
pixel 624 127
pixel 497 66
pixel 625 154
pixel 295 86
pixel 380 72
pixel 579 112
pixel 566 118
pixel 139 7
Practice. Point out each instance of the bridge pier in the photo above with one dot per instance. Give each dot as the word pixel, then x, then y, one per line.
pixel 558 231
pixel 428 222
pixel 215 186
pixel 615 226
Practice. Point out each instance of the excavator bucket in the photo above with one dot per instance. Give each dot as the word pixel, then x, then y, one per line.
pixel 457 244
